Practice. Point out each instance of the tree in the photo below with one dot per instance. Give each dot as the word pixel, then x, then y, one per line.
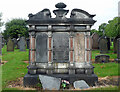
pixel 14 28
pixel 102 28
pixel 1 23
pixel 113 28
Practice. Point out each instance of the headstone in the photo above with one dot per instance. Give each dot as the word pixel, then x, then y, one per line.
pixel 27 41
pixel 22 44
pixel 118 50
pixel 15 42
pixel 0 44
pixel 18 42
pixel 10 45
pixel 108 43
pixel 102 58
pixel 115 44
pixel 95 38
pixel 80 84
pixel 103 45
pixel 50 83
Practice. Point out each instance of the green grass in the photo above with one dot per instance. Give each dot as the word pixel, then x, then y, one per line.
pixel 15 67
pixel 106 69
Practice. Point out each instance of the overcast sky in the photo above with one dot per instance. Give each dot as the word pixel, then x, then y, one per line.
pixel 104 9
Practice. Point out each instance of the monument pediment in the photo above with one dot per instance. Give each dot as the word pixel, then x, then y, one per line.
pixel 80 14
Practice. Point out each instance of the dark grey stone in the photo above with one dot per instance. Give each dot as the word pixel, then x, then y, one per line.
pixel 50 83
pixel 22 44
pixel 103 45
pixel 10 45
pixel 81 84
pixel 32 80
pixel 95 38
pixel 102 58
pixel 115 44
pixel 108 43
pixel 28 42
pixel 118 50
pixel 60 47
pixel 41 48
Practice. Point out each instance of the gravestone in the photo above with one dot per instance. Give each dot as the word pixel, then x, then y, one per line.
pixel 15 42
pixel 10 45
pixel 22 44
pixel 95 38
pixel 115 44
pixel 80 84
pixel 118 50
pixel 18 42
pixel 103 47
pixel 102 58
pixel 108 43
pixel 27 42
pixel 0 44
pixel 50 83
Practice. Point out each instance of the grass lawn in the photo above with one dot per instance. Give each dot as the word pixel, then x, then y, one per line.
pixel 15 67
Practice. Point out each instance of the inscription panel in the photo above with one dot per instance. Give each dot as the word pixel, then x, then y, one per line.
pixel 60 47
pixel 41 48
pixel 79 47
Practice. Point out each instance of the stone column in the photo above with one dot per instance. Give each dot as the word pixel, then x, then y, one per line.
pixel 49 46
pixel 32 47
pixel 71 47
pixel 71 54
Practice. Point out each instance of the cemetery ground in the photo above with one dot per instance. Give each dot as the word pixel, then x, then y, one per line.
pixel 14 68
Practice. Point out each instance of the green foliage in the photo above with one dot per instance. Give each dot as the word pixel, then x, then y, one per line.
pixel 1 23
pixel 113 28
pixel 15 27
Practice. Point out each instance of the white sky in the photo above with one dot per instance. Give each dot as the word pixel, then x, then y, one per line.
pixel 104 9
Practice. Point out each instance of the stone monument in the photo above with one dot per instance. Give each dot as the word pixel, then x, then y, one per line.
pixel 103 47
pixel 10 45
pixel 22 44
pixel 60 47
pixel 95 38
pixel 118 50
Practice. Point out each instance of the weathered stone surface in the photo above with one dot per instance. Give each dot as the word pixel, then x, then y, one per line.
pixel 115 44
pixel 50 83
pixel 108 43
pixel 102 58
pixel 95 38
pixel 10 45
pixel 79 47
pixel 103 45
pixel 118 50
pixel 27 41
pixel 80 84
pixel 22 44
pixel 41 48
pixel 60 47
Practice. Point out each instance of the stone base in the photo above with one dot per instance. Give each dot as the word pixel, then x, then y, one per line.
pixel 32 80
